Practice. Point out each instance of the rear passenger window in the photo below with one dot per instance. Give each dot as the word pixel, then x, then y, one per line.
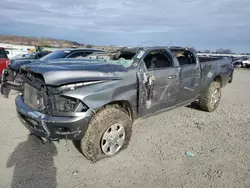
pixel 185 57
pixel 158 60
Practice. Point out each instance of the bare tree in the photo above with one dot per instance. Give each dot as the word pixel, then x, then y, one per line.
pixel 220 50
pixel 206 51
pixel 223 51
pixel 228 51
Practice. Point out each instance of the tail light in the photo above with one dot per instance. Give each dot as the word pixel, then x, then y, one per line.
pixel 7 63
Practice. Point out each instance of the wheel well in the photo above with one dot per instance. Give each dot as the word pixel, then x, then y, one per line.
pixel 218 79
pixel 125 106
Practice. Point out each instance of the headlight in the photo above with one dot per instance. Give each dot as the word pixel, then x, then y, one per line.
pixel 68 104
pixel 77 85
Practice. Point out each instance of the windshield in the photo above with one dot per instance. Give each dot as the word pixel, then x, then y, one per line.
pixel 124 58
pixel 55 55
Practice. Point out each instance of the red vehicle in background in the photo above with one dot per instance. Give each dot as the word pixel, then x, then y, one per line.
pixel 4 61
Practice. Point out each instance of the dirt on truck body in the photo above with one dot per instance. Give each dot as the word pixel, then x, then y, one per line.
pixel 94 101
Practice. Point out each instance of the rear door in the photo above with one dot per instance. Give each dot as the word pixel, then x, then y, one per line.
pixel 158 81
pixel 190 75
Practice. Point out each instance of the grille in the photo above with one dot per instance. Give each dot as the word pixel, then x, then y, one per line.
pixel 32 97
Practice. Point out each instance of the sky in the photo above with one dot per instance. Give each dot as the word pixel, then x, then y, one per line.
pixel 203 24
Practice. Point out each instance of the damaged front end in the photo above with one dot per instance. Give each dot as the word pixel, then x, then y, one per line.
pixel 53 101
pixel 47 113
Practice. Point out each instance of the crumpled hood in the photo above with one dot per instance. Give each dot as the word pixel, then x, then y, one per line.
pixel 17 63
pixel 71 71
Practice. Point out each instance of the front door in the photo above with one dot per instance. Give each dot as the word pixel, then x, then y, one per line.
pixel 158 81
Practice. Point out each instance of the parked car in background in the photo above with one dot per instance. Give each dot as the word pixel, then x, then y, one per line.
pixel 11 78
pixel 246 62
pixel 241 62
pixel 15 53
pixel 20 56
pixel 35 55
pixel 4 61
pixel 94 101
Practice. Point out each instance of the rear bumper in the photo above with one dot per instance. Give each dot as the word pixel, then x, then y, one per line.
pixel 52 127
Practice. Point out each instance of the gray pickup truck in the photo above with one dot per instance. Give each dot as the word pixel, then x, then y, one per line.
pixel 94 101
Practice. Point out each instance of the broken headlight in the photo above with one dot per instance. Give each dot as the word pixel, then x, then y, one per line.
pixel 69 87
pixel 68 104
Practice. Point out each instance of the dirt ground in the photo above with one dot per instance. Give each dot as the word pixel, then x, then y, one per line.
pixel 156 156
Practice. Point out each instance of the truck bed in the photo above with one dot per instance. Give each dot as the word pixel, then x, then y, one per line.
pixel 215 65
pixel 208 59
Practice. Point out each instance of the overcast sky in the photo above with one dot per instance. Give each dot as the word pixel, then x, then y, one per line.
pixel 204 24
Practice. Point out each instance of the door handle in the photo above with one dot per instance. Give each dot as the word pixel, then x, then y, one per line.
pixel 172 76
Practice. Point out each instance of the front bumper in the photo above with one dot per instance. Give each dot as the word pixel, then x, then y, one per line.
pixel 52 127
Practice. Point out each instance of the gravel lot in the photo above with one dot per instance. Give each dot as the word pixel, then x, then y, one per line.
pixel 220 142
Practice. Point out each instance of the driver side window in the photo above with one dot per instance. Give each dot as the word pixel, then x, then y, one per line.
pixel 158 60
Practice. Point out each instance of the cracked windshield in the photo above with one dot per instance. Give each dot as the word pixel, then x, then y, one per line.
pixel 124 94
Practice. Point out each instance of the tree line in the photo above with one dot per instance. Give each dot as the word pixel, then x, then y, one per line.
pixel 222 51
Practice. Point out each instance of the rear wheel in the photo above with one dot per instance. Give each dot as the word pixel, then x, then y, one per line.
pixel 210 100
pixel 108 133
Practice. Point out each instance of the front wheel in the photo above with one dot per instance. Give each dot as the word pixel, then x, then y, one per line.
pixel 210 100
pixel 108 133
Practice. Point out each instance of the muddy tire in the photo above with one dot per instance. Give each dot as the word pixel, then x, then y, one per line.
pixel 109 130
pixel 209 101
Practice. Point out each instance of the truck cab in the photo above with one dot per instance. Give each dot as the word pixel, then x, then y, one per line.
pixel 175 74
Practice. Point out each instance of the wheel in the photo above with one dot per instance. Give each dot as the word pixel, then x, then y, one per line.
pixel 243 65
pixel 209 101
pixel 108 133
